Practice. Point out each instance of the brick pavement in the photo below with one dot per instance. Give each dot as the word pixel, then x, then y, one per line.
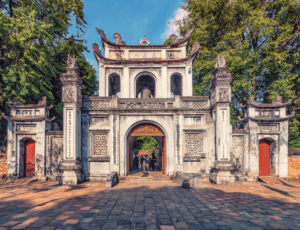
pixel 45 205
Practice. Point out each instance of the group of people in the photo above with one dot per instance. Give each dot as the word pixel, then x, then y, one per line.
pixel 145 161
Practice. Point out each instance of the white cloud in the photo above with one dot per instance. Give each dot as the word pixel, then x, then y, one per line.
pixel 171 27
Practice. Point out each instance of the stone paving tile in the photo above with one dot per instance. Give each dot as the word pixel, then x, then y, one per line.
pixel 44 205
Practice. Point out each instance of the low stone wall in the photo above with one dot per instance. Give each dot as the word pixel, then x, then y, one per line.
pixel 3 163
pixel 294 163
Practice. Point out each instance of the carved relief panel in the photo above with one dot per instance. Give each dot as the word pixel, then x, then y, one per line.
pixel 100 144
pixel 69 94
pixel 144 54
pixel 224 94
pixel 99 121
pixel 116 54
pixel 193 143
pixel 26 127
pixel 174 54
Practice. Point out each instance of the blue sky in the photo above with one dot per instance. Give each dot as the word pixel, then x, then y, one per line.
pixel 131 18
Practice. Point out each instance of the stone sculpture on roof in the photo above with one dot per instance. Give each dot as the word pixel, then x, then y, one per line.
pixel 72 62
pixel 143 41
pixel 118 39
pixel 220 61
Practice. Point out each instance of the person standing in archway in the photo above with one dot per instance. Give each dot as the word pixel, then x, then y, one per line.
pixel 144 162
pixel 153 160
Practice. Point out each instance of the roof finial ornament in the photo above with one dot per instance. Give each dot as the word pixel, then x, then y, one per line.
pixel 72 62
pixel 220 62
pixel 118 39
pixel 143 41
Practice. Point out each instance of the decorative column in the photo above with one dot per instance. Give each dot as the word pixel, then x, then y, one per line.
pixel 220 99
pixel 72 99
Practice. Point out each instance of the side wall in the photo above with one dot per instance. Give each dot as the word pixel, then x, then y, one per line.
pixel 54 154
pixel 294 163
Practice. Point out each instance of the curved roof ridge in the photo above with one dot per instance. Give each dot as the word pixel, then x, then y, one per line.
pixel 104 39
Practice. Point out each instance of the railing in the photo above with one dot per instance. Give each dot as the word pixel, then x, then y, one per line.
pixel 95 102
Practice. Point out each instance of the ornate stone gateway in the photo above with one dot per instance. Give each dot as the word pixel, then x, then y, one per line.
pixel 147 90
pixel 149 130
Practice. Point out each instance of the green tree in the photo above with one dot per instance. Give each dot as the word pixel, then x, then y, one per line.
pixel 34 36
pixel 145 143
pixel 260 40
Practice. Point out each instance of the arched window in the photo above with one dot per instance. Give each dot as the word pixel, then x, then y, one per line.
pixel 145 82
pixel 175 85
pixel 114 85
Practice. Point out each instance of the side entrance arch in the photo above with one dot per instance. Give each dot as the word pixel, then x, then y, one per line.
pixel 29 158
pixel 264 157
pixel 147 129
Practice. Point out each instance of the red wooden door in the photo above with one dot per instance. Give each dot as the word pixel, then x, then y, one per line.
pixel 164 156
pixel 30 158
pixel 128 155
pixel 264 157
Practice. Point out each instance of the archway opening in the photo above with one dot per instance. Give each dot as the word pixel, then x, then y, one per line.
pixel 114 85
pixel 175 85
pixel 145 82
pixel 146 140
pixel 267 148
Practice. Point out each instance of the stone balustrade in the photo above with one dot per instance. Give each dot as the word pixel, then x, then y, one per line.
pixel 113 102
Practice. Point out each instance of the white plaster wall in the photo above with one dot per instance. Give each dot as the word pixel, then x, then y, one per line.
pixel 283 149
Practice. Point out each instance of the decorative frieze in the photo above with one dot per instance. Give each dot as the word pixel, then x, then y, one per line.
pixel 97 104
pixel 193 143
pixel 174 54
pixel 194 104
pixel 268 127
pixel 192 120
pixel 98 121
pixel 26 112
pixel 26 127
pixel 144 54
pixel 147 130
pixel 116 54
pixel 146 105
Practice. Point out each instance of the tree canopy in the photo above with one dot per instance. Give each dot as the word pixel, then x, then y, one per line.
pixel 260 40
pixel 35 40
pixel 145 143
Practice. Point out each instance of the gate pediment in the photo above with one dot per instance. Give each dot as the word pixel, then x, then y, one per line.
pixel 146 130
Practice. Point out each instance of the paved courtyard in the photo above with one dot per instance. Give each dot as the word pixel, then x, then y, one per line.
pixel 166 206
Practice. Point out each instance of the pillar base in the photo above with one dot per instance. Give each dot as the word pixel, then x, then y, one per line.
pixel 71 173
pixel 221 173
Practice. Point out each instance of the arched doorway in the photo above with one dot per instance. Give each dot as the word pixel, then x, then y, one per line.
pixel 29 158
pixel 264 157
pixel 143 82
pixel 147 129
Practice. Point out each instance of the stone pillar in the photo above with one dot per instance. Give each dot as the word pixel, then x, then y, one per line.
pixel 102 80
pixel 188 80
pixel 220 99
pixel 125 84
pixel 164 85
pixel 72 99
